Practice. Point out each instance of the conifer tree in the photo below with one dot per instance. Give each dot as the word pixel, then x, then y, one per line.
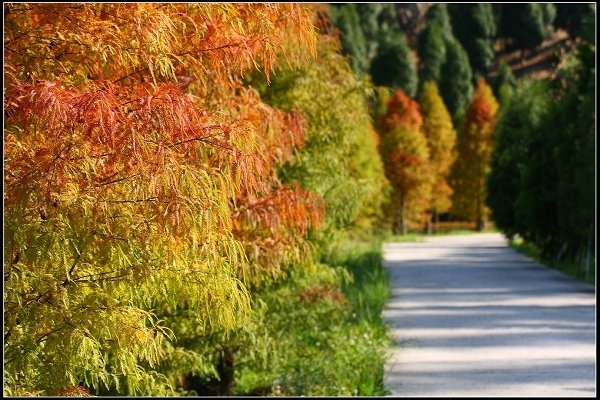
pixel 431 43
pixel 393 65
pixel 405 155
pixel 441 140
pixel 431 48
pixel 474 147
pixel 474 26
pixel 455 82
pixel 527 25
pixel 354 43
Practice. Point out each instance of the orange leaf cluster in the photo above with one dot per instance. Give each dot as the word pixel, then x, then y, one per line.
pixel 401 111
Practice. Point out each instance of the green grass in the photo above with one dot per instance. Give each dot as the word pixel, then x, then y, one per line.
pixel 568 267
pixel 419 237
pixel 328 338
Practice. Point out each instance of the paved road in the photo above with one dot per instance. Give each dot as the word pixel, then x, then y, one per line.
pixel 471 317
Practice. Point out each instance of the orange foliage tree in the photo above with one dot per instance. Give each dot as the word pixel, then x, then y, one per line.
pixel 474 148
pixel 405 154
pixel 140 177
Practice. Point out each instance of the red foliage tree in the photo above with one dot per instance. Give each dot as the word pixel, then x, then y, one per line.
pixel 405 155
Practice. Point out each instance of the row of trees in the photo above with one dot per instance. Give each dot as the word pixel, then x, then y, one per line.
pixel 155 182
pixel 542 179
pixel 169 166
pixel 432 169
pixel 419 151
pixel 455 48
pixel 455 45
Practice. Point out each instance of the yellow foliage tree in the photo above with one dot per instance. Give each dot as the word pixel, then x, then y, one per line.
pixel 441 140
pixel 474 149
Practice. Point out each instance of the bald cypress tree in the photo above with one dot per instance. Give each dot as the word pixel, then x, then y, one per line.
pixel 474 149
pixel 405 155
pixel 441 141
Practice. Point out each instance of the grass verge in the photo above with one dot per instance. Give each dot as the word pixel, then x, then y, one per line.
pixel 568 267
pixel 328 338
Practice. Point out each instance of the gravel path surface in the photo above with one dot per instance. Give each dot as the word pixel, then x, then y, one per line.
pixel 472 317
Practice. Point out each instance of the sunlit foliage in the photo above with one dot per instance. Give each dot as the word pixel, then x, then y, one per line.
pixel 405 154
pixel 441 140
pixel 140 174
pixel 474 147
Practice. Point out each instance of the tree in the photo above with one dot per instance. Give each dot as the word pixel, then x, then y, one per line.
pixel 575 154
pixel 354 43
pixel 505 80
pixel 456 75
pixel 431 43
pixel 475 28
pixel 404 151
pixel 522 115
pixel 544 162
pixel 393 66
pixel 438 13
pixel 441 138
pixel 136 164
pixel 474 147
pixel 527 25
pixel 570 16
pixel 431 48
pixel 379 22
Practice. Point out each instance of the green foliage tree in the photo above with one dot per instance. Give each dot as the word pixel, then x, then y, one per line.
pixel 350 179
pixel 575 154
pixel 474 26
pixel 527 25
pixel 571 16
pixel 456 76
pixel 522 115
pixel 545 162
pixel 405 154
pixel 441 139
pixel 431 43
pixel 474 147
pixel 505 81
pixel 438 13
pixel 379 22
pixel 536 207
pixel 393 66
pixel 431 48
pixel 381 48
pixel 347 18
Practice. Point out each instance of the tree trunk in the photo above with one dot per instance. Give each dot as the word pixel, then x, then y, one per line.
pixel 400 223
pixel 428 228
pixel 588 255
pixel 212 386
pixel 480 224
pixel 226 370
